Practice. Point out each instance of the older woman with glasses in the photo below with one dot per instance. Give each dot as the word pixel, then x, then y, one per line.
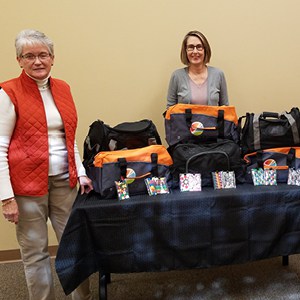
pixel 40 164
pixel 197 83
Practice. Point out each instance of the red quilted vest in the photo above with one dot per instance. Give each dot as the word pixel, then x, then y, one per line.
pixel 28 153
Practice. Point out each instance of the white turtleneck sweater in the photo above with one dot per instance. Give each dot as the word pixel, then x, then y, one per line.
pixel 58 162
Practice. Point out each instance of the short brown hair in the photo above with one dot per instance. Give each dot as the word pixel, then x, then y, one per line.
pixel 204 41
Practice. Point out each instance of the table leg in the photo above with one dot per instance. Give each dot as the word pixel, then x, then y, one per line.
pixel 103 286
pixel 285 260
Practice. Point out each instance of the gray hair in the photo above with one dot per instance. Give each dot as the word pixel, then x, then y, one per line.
pixel 32 37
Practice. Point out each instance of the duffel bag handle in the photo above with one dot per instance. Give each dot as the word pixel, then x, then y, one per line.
pixel 123 168
pixel 205 153
pixel 256 129
pixel 267 114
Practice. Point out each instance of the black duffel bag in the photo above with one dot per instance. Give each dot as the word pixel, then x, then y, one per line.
pixel 223 155
pixel 126 135
pixel 269 130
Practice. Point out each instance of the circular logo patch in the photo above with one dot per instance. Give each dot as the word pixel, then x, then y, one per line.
pixel 130 173
pixel 196 128
pixel 270 163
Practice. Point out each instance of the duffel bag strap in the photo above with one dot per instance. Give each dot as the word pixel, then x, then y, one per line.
pixel 154 170
pixel 294 127
pixel 259 159
pixel 188 117
pixel 123 167
pixel 220 122
pixel 256 131
pixel 291 158
pixel 240 125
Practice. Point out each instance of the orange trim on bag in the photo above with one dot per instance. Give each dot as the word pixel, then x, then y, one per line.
pixel 208 128
pixel 138 177
pixel 276 167
pixel 229 111
pixel 283 150
pixel 134 155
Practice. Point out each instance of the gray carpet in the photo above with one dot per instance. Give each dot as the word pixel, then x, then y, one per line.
pixel 266 279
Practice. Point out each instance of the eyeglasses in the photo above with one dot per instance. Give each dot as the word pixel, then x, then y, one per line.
pixel 190 48
pixel 31 57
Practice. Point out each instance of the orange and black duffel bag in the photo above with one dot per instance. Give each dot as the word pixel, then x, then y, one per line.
pixel 133 166
pixel 197 123
pixel 279 159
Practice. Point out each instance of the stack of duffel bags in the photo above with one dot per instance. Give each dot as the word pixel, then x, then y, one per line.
pixel 204 143
pixel 270 147
pixel 208 146
pixel 127 159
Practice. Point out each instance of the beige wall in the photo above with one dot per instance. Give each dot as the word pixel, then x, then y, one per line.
pixel 118 55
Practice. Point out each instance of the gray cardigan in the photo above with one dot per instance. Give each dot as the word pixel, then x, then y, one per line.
pixel 180 91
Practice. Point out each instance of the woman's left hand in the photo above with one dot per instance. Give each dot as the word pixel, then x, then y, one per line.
pixel 10 210
pixel 85 184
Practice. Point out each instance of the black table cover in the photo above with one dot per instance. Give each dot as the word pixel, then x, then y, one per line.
pixel 178 231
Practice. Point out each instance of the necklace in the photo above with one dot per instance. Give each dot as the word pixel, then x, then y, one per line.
pixel 198 77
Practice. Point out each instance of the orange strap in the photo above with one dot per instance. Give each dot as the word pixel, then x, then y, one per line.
pixel 276 167
pixel 208 128
pixel 138 177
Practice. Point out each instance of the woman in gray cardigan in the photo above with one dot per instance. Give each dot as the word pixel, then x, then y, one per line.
pixel 197 83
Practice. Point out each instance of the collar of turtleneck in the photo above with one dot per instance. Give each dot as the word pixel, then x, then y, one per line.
pixel 42 84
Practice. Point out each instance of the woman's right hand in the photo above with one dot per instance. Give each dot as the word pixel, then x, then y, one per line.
pixel 10 210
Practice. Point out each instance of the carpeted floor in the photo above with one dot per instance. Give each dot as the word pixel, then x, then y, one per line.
pixel 262 280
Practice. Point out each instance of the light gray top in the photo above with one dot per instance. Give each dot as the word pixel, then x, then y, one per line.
pixel 180 91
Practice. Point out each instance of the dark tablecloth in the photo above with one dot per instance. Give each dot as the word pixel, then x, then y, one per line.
pixel 178 231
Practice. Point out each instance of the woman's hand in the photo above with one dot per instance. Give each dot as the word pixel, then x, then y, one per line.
pixel 85 184
pixel 10 210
